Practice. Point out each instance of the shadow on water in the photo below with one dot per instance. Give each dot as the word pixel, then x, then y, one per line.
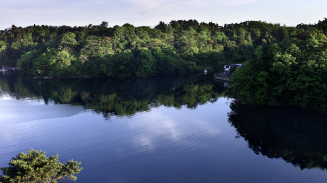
pixel 297 136
pixel 121 97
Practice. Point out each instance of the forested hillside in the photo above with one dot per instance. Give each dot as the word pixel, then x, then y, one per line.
pixel 176 47
pixel 291 71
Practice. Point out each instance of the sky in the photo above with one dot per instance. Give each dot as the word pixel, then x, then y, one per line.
pixel 150 12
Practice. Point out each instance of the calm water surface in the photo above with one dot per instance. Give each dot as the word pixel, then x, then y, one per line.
pixel 170 129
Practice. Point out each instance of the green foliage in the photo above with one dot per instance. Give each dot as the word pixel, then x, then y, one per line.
pixel 146 63
pixel 36 167
pixel 3 57
pixel 122 63
pixel 181 46
pixel 68 38
pixel 291 73
pixel 25 63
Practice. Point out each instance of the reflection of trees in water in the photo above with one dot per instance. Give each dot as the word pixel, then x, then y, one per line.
pixel 297 136
pixel 119 96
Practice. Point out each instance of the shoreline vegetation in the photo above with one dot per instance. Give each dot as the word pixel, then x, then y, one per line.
pixel 292 72
pixel 182 46
pixel 281 65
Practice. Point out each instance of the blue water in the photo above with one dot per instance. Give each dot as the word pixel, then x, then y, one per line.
pixel 162 144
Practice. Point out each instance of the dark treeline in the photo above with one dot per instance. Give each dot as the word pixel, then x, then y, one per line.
pixel 114 96
pixel 291 71
pixel 177 47
pixel 296 136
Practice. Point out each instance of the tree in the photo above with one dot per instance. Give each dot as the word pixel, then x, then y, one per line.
pixel 104 24
pixel 36 167
pixel 291 73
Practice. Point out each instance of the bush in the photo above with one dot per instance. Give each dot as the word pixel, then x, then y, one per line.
pixel 36 167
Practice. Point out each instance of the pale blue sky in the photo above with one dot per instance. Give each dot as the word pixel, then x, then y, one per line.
pixel 150 12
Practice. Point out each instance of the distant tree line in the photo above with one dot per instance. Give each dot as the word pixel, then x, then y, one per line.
pixel 176 47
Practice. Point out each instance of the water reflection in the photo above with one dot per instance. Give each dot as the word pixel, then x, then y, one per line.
pixel 297 136
pixel 29 110
pixel 117 97
pixel 164 141
pixel 164 124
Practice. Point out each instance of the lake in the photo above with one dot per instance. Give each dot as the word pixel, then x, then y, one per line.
pixel 161 129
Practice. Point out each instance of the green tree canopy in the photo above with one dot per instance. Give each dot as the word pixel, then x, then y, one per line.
pixel 36 167
pixel 292 72
pixel 193 47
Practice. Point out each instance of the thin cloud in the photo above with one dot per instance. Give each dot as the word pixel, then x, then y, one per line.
pixel 162 124
pixel 160 8
pixel 181 3
pixel 150 12
pixel 236 2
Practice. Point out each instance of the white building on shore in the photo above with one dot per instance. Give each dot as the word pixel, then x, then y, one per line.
pixel 229 66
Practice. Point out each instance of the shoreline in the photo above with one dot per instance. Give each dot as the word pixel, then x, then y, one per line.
pixel 221 76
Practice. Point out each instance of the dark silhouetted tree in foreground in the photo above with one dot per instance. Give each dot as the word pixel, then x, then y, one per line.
pixel 36 167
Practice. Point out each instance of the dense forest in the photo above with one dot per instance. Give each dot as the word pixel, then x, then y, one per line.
pixel 175 47
pixel 291 71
